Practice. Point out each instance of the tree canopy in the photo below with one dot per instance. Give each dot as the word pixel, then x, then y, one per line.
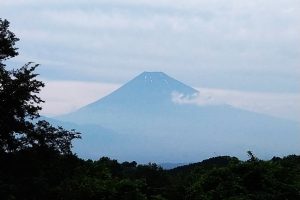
pixel 7 41
pixel 20 105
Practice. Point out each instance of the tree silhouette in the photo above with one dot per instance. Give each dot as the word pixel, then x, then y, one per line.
pixel 46 136
pixel 7 41
pixel 20 105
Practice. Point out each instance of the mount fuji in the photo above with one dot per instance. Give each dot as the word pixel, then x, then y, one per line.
pixel 141 121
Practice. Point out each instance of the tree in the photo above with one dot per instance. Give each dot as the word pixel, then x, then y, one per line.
pixel 20 105
pixel 7 41
pixel 46 136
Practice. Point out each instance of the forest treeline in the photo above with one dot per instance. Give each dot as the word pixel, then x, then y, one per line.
pixel 37 162
pixel 36 174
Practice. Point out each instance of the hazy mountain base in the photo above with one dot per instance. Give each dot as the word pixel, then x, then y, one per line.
pixel 212 130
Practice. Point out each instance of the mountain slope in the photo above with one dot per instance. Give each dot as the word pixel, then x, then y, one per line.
pixel 150 92
pixel 152 127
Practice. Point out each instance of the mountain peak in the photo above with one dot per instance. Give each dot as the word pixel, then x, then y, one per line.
pixel 151 87
pixel 154 74
pixel 153 77
pixel 158 81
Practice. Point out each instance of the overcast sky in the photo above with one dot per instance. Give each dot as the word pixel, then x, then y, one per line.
pixel 249 47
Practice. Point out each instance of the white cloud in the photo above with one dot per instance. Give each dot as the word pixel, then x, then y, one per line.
pixel 200 99
pixel 66 96
pixel 284 105
pixel 230 38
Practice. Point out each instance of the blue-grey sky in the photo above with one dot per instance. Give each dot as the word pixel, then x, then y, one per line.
pixel 248 47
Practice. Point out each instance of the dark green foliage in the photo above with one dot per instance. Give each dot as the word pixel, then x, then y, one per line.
pixel 46 174
pixel 7 41
pixel 20 105
pixel 45 136
pixel 19 102
pixel 37 174
pixel 253 179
